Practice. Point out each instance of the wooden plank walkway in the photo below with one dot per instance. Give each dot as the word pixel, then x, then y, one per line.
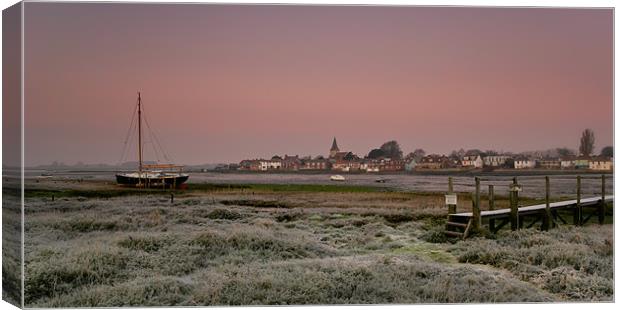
pixel 534 209
pixel 459 225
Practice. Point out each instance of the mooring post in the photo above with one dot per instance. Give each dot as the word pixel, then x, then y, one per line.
pixel 601 207
pixel 451 207
pixel 547 216
pixel 514 205
pixel 476 206
pixel 491 207
pixel 577 211
pixel 171 198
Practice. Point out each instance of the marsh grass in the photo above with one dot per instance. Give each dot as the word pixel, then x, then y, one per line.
pixel 11 246
pixel 111 191
pixel 280 244
pixel 574 263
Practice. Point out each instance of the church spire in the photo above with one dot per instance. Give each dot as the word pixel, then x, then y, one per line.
pixel 334 149
pixel 334 146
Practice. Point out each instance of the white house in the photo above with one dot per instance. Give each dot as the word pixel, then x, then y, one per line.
pixel 264 165
pixel 601 163
pixel 567 162
pixel 472 161
pixel 496 160
pixel 525 163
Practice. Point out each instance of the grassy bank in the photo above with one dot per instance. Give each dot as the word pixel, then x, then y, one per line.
pixel 109 191
pixel 280 244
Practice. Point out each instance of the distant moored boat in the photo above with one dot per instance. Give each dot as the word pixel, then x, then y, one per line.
pixel 337 178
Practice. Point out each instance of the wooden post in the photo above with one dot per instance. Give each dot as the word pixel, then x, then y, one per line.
pixel 476 206
pixel 52 197
pixel 451 207
pixel 491 206
pixel 514 206
pixel 601 207
pixel 171 198
pixel 577 210
pixel 547 215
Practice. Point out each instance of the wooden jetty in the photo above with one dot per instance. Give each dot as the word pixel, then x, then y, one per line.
pixel 460 225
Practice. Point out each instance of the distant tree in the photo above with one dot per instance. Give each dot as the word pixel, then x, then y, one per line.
pixel 473 152
pixel 392 150
pixel 586 146
pixel 276 157
pixel 457 153
pixel 349 156
pixel 376 153
pixel 418 154
pixel 608 151
pixel 565 152
pixel 510 163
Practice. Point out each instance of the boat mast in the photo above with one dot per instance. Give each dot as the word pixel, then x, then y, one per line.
pixel 139 134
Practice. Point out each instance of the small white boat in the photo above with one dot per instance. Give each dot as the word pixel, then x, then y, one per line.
pixel 336 178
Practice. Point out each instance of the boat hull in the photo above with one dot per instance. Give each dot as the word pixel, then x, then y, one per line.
pixel 151 181
pixel 337 178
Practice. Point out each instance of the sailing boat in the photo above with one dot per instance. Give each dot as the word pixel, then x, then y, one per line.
pixel 157 175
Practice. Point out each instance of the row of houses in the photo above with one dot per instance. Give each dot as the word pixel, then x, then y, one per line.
pixel 296 163
pixel 337 160
pixel 571 162
pixel 435 161
pixel 349 162
pixel 429 162
pixel 516 162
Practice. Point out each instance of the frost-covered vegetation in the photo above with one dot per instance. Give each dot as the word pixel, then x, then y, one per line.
pixel 11 244
pixel 260 246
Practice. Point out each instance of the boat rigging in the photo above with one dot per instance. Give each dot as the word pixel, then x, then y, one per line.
pixel 149 175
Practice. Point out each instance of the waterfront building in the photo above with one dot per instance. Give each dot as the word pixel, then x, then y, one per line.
pixel 523 162
pixel 495 160
pixel 550 163
pixel 601 163
pixel 474 161
pixel 433 161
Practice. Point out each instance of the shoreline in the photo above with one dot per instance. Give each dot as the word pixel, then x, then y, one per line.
pixel 439 172
pixel 505 172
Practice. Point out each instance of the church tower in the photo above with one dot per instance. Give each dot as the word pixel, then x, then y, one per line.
pixel 334 149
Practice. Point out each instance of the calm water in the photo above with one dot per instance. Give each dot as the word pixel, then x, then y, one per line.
pixel 533 186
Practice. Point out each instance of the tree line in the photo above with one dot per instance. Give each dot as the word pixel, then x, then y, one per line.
pixel 391 149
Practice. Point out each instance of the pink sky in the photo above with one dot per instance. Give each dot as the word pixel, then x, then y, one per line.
pixel 222 83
